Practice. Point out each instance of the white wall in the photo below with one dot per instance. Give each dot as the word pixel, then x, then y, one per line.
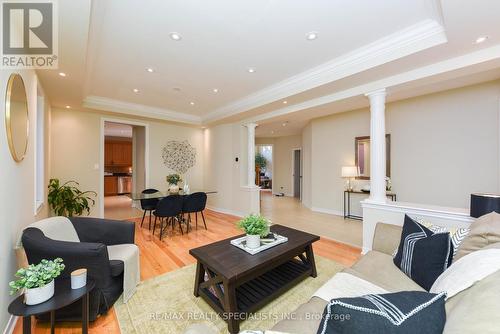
pixel 223 144
pixel 283 161
pixel 76 146
pixel 307 165
pixel 444 146
pixel 17 191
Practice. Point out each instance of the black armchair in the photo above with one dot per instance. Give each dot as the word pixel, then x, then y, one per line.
pixel 91 253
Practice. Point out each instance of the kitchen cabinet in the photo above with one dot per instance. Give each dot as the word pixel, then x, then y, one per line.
pixel 108 153
pixel 118 153
pixel 110 185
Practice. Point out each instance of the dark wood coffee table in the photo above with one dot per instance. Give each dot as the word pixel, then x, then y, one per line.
pixel 239 283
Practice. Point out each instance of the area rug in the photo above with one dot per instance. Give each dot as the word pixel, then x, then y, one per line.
pixel 166 304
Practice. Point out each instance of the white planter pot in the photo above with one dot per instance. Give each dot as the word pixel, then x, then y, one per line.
pixel 173 189
pixel 253 241
pixel 39 295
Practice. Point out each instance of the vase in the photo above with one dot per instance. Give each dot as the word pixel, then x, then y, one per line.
pixel 253 241
pixel 39 295
pixel 173 189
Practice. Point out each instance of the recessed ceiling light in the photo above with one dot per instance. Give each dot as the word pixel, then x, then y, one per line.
pixel 191 103
pixel 481 39
pixel 62 74
pixel 150 70
pixel 175 36
pixel 285 102
pixel 312 35
pixel 251 70
pixel 215 90
pixel 68 107
pixel 285 123
pixel 135 90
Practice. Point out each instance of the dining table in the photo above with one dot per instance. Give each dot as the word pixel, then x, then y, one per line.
pixel 162 194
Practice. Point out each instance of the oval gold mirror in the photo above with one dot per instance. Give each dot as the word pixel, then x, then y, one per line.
pixel 16 117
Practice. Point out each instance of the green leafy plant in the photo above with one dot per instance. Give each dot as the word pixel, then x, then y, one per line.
pixel 68 200
pixel 260 161
pixel 255 225
pixel 174 179
pixel 36 276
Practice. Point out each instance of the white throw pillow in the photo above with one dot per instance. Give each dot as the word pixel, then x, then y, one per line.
pixel 466 271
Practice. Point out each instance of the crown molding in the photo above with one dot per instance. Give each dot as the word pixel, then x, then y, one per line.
pixel 421 36
pixel 111 105
pixel 452 64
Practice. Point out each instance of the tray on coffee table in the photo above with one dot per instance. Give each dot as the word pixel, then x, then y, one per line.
pixel 241 244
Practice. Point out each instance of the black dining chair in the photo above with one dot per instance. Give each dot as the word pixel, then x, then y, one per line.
pixel 194 203
pixel 148 204
pixel 168 210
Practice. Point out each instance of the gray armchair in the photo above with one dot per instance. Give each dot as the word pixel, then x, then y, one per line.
pixel 89 252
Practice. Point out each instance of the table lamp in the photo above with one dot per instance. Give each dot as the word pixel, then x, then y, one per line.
pixel 350 172
pixel 481 204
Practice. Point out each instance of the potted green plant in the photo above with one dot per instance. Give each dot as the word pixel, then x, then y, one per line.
pixel 67 200
pixel 173 183
pixel 37 281
pixel 260 161
pixel 255 226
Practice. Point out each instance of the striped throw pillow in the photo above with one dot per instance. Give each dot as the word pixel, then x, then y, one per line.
pixel 457 234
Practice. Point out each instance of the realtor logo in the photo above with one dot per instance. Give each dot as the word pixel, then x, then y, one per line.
pixel 29 35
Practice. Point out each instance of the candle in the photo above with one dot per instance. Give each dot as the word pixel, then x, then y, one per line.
pixel 78 278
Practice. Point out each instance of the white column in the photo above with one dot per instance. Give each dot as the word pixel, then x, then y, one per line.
pixel 251 153
pixel 377 146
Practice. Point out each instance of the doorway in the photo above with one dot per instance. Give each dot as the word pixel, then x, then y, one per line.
pixel 124 150
pixel 297 173
pixel 264 166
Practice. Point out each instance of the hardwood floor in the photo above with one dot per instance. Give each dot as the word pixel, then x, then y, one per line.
pixel 171 253
pixel 291 212
pixel 120 207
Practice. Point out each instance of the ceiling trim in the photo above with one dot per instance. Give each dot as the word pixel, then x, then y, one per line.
pixel 103 103
pixel 421 36
pixel 460 62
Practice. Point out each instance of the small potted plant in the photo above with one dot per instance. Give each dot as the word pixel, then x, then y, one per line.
pixel 173 183
pixel 255 226
pixel 37 281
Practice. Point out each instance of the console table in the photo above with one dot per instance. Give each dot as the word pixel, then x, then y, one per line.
pixel 347 202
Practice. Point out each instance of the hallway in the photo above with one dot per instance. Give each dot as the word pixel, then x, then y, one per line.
pixel 290 212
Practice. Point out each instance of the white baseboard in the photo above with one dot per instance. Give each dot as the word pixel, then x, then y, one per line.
pixel 327 211
pixel 226 211
pixel 11 324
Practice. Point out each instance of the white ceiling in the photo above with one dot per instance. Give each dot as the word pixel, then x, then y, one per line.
pixel 106 47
